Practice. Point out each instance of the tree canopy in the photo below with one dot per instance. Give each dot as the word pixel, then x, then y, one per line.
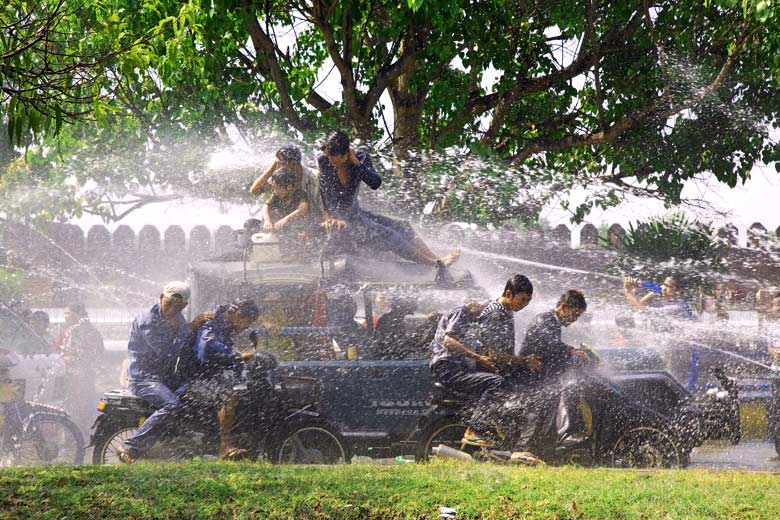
pixel 486 99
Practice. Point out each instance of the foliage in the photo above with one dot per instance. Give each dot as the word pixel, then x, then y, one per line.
pixel 621 98
pixel 671 246
pixel 227 490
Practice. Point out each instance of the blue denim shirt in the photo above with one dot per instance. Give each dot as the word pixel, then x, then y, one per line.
pixel 214 345
pixel 154 346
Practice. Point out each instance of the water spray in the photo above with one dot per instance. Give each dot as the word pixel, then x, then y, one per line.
pixel 541 265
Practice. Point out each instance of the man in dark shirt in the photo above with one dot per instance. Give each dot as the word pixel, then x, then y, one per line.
pixel 543 339
pixel 471 370
pixel 342 169
pixel 152 353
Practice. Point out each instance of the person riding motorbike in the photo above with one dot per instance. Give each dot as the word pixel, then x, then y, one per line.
pixel 543 389
pixel 460 362
pixel 152 351
pixel 214 353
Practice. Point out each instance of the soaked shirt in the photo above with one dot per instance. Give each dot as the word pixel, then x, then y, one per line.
pixel 214 345
pixel 280 208
pixel 154 345
pixel 497 328
pixel 543 339
pixel 456 324
pixel 341 201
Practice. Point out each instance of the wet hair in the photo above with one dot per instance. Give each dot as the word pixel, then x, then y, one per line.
pixel 573 298
pixel 77 308
pixel 336 144
pixel 519 284
pixel 289 153
pixel 283 177
pixel 245 307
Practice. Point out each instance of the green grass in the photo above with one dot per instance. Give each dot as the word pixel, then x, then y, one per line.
pixel 364 491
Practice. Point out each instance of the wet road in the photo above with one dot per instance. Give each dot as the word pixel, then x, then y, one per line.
pixel 748 455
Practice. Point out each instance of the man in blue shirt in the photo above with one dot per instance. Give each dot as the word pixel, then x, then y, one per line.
pixel 215 354
pixel 152 351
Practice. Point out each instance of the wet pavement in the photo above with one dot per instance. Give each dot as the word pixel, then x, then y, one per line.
pixel 748 455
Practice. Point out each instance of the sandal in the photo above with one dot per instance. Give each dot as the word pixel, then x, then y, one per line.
pixel 525 457
pixel 233 454
pixel 124 456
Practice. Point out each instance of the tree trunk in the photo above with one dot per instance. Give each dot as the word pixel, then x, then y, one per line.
pixel 407 114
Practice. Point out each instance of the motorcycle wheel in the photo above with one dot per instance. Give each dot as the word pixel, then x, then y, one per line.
pixel 109 437
pixel 448 431
pixel 309 443
pixel 48 439
pixel 646 447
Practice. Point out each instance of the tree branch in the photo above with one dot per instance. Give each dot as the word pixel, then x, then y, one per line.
pixel 265 46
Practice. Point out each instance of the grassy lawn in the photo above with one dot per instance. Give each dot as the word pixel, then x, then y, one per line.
pixel 364 491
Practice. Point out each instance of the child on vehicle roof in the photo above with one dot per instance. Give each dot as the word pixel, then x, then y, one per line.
pixel 288 209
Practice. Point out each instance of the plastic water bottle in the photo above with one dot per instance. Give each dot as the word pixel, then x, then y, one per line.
pixel 451 453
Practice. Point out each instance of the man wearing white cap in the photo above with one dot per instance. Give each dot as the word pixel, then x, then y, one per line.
pixel 152 352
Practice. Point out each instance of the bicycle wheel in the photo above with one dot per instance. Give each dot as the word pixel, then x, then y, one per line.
pixel 48 439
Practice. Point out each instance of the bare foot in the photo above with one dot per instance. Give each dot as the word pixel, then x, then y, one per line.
pixel 451 258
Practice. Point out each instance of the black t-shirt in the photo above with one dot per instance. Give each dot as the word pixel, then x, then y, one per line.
pixel 543 339
pixel 280 208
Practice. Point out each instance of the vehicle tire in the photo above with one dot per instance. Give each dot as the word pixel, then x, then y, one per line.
pixel 109 436
pixel 448 431
pixel 309 443
pixel 49 439
pixel 646 447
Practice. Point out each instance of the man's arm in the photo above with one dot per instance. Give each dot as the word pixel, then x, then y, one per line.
pixel 455 346
pixel 211 350
pixel 629 289
pixel 301 211
pixel 268 224
pixel 366 170
pixel 261 183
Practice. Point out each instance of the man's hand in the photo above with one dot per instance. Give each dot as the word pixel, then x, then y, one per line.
pixel 774 353
pixel 580 357
pixel 200 319
pixel 533 362
pixel 353 157
pixel 486 363
pixel 629 283
pixel 247 356
pixel 334 224
pixel 268 226
pixel 279 225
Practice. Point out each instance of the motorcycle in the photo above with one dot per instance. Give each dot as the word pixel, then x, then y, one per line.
pixel 629 419
pixel 277 419
pixel 33 433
